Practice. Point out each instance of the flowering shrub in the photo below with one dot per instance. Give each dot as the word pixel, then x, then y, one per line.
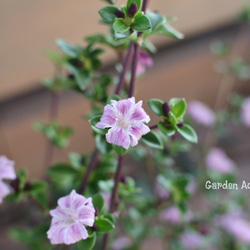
pixel 141 180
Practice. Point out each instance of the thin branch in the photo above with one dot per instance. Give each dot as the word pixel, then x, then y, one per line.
pixel 125 67
pixel 133 70
pixel 112 205
pixel 88 172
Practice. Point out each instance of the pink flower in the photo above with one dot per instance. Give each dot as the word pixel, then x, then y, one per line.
pixel 201 113
pixel 125 119
pixel 245 112
pixel 218 161
pixel 235 224
pixel 161 192
pixel 70 217
pixel 143 61
pixel 192 240
pixel 7 172
pixel 121 243
pixel 174 216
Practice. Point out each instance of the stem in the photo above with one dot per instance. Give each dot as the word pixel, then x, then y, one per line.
pixel 153 127
pixel 112 205
pixel 53 113
pixel 133 71
pixel 144 5
pixel 124 69
pixel 117 180
pixel 89 170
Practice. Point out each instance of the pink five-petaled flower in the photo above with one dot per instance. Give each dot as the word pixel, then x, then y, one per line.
pixel 70 217
pixel 217 160
pixel 7 172
pixel 201 113
pixel 245 114
pixel 125 119
pixel 144 61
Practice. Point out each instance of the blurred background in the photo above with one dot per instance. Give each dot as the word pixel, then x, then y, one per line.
pixel 28 29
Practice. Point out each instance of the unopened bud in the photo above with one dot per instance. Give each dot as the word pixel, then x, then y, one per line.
pixel 79 64
pixel 180 124
pixel 166 108
pixel 71 76
pixel 94 227
pixel 132 9
pixel 119 13
pixel 96 211
pixel 123 180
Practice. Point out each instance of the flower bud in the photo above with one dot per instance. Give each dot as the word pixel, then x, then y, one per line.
pixel 123 180
pixel 166 108
pixel 79 64
pixel 94 227
pixel 180 124
pixel 119 13
pixel 71 76
pixel 132 9
pixel 96 211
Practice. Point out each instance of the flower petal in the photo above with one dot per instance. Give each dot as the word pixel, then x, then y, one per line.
pixel 87 215
pixel 139 114
pixel 136 132
pixel 108 118
pixel 7 169
pixel 4 190
pixel 75 233
pixel 119 137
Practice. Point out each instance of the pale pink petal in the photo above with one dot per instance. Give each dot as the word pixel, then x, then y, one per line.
pixel 4 190
pixel 218 161
pixel 136 132
pixel 139 114
pixel 245 112
pixel 124 107
pixel 87 216
pixel 143 61
pixel 118 137
pixel 192 240
pixel 75 233
pixel 7 169
pixel 108 118
pixel 201 113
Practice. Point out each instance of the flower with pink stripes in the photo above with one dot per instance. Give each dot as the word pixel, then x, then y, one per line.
pixel 126 120
pixel 7 172
pixel 70 218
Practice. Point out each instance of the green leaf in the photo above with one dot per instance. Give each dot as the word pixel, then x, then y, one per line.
pixel 113 97
pixel 151 140
pixel 61 169
pixel 108 13
pixel 119 149
pixel 68 48
pixel 156 106
pixel 93 122
pixel 119 26
pixel 172 119
pixel 166 129
pixel 104 225
pixel 168 30
pixel 178 107
pixel 41 197
pixel 188 133
pixel 141 23
pixel 156 20
pixel 98 202
pixel 102 145
pixel 147 45
pixel 123 35
pixel 87 244
pixel 138 2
